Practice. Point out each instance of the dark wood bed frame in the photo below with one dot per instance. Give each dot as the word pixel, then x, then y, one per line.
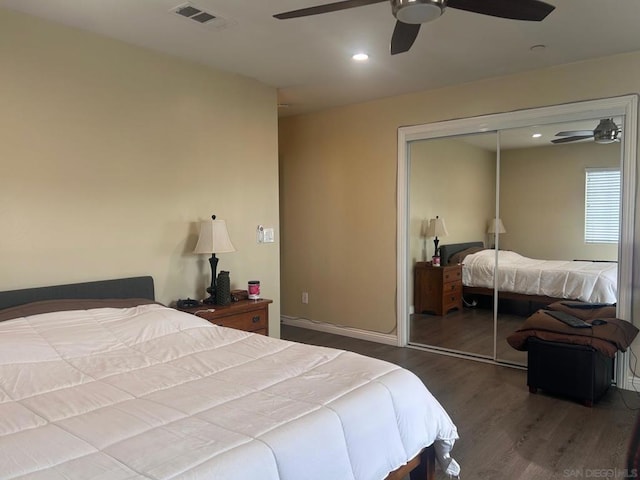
pixel 521 297
pixel 421 467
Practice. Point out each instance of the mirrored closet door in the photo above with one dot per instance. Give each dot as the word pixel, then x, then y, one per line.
pixel 452 193
pixel 545 249
pixel 501 223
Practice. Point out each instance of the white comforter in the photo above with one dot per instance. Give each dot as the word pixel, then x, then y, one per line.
pixel 150 392
pixel 586 281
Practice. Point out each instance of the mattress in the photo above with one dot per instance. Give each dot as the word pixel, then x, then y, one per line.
pixel 577 280
pixel 151 392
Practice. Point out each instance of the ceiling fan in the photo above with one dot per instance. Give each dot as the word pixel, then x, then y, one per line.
pixel 606 132
pixel 410 14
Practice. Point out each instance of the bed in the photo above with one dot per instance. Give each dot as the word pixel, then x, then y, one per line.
pixel 523 278
pixel 98 380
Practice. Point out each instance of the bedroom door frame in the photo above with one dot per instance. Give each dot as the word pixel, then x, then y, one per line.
pixel 626 106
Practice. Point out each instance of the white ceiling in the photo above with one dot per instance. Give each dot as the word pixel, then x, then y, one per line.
pixel 308 59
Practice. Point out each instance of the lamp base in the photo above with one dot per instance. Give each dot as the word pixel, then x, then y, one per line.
pixel 211 290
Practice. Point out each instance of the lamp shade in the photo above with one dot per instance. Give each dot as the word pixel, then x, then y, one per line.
pixel 214 238
pixel 496 226
pixel 437 228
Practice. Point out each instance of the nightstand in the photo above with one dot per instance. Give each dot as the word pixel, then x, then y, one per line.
pixel 248 315
pixel 437 289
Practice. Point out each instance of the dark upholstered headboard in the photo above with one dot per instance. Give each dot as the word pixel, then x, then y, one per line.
pixel 134 287
pixel 446 251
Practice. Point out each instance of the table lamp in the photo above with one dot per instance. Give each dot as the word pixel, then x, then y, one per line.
pixel 436 229
pixel 213 238
pixel 496 227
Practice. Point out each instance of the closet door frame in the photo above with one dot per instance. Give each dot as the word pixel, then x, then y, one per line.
pixel 626 106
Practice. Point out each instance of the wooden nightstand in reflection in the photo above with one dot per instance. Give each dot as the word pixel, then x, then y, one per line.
pixel 437 290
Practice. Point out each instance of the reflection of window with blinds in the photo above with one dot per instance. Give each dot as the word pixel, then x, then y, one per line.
pixel 602 205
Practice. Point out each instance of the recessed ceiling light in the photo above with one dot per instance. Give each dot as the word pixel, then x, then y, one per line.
pixel 536 135
pixel 360 57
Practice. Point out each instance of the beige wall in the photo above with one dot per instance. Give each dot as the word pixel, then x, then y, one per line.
pixel 111 154
pixel 338 195
pixel 542 200
pixel 455 181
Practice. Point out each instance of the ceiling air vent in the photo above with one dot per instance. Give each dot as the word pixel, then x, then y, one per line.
pixel 190 12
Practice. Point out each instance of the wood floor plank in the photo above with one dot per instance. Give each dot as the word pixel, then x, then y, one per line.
pixel 468 330
pixel 506 433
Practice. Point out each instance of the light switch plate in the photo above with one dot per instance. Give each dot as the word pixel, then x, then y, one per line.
pixel 265 235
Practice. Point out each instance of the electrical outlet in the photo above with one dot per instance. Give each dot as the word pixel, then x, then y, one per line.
pixel 305 297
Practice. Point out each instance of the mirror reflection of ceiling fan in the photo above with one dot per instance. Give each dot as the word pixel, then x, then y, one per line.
pixel 606 132
pixel 410 14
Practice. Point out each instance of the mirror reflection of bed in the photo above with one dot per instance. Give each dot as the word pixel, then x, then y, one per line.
pixel 526 284
pixel 541 202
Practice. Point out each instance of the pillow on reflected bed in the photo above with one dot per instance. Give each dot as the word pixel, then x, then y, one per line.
pixel 46 306
pixel 457 258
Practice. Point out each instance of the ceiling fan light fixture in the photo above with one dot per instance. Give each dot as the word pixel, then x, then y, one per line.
pixel 604 140
pixel 417 11
pixel 606 131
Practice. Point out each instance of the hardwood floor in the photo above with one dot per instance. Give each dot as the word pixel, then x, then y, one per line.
pixel 506 433
pixel 469 330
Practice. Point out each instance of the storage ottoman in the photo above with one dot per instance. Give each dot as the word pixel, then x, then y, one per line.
pixel 576 371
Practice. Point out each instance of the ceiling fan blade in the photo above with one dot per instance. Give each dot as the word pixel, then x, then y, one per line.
pixel 532 10
pixel 404 34
pixel 579 133
pixel 571 139
pixel 327 8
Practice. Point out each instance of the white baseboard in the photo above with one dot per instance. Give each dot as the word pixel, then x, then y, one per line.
pixel 386 338
pixel 633 383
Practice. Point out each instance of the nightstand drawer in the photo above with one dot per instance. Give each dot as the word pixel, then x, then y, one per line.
pixel 451 288
pixel 452 275
pixel 248 321
pixel 451 300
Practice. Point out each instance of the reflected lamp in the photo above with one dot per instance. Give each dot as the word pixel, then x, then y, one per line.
pixel 437 228
pixel 496 227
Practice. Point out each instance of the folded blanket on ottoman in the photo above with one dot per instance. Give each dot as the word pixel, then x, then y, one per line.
pixel 609 337
pixel 583 310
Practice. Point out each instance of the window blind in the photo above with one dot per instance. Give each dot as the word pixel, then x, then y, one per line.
pixel 602 205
